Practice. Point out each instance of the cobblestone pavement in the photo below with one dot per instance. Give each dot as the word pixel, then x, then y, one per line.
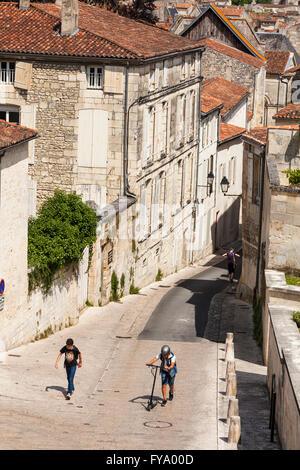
pixel 108 409
pixel 229 314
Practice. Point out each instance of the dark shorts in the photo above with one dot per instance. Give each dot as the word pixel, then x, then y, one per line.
pixel 231 268
pixel 166 378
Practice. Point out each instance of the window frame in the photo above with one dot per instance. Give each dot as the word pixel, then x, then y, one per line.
pixel 11 73
pixel 88 75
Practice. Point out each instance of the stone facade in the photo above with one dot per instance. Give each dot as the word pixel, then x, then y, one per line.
pixel 234 70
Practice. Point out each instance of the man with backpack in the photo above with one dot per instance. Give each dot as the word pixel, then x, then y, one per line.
pixel 71 355
pixel 168 371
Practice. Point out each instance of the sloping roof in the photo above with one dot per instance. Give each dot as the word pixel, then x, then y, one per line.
pixel 293 69
pixel 230 26
pixel 229 93
pixel 209 103
pixel 291 111
pixel 277 61
pixel 101 33
pixel 231 11
pixel 232 52
pixel 229 132
pixel 258 135
pixel 13 134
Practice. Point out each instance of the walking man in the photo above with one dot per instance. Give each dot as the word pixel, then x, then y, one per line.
pixel 71 355
pixel 231 262
pixel 168 371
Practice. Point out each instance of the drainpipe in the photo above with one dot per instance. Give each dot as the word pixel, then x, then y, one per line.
pixel 199 145
pixel 262 179
pixel 125 134
pixel 286 87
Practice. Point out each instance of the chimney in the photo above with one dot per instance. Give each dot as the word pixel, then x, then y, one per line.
pixel 69 17
pixel 24 4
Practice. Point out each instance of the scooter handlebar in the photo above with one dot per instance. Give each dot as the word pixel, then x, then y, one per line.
pixel 152 365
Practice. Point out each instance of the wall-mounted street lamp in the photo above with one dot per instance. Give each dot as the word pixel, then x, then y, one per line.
pixel 225 186
pixel 208 186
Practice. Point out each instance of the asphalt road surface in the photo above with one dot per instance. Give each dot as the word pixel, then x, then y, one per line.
pixel 182 313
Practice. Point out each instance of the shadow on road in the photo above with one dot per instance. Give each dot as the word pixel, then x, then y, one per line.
pixel 59 389
pixel 145 403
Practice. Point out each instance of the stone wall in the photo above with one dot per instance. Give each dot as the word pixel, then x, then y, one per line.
pixel 281 353
pixel 217 64
pixel 13 240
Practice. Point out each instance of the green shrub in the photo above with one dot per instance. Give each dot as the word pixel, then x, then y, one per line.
pixel 114 286
pixel 296 318
pixel 292 280
pixel 122 284
pixel 133 289
pixel 58 236
pixel 88 303
pixel 293 176
pixel 257 322
pixel 159 275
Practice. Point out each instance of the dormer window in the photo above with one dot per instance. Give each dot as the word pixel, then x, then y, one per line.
pixel 7 72
pixel 95 77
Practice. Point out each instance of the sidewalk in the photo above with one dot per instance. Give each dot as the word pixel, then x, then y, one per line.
pixel 229 314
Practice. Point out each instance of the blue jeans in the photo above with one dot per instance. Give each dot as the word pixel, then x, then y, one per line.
pixel 70 375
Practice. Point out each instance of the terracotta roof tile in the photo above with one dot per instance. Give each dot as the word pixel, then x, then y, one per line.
pixel 232 52
pixel 231 11
pixel 101 34
pixel 228 131
pixel 258 135
pixel 209 103
pixel 291 111
pixel 12 134
pixel 277 61
pixel 229 93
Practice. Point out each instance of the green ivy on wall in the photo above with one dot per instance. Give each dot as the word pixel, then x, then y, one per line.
pixel 58 236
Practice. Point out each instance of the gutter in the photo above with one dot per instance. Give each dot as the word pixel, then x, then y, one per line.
pixel 3 150
pixel 262 179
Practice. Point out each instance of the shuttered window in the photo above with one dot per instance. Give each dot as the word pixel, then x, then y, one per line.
pixel 92 138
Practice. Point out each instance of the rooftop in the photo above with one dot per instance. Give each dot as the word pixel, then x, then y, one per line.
pixel 13 134
pixel 101 34
pixel 229 132
pixel 232 52
pixel 209 103
pixel 291 111
pixel 277 61
pixel 229 93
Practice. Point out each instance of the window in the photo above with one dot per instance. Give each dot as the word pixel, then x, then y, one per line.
pixel 92 138
pixel 95 77
pixel 10 114
pixel 7 72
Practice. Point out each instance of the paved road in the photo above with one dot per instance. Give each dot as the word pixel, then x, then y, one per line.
pixel 108 410
pixel 183 312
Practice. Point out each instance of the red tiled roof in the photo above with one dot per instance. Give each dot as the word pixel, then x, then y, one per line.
pixel 291 111
pixel 232 52
pixel 12 134
pixel 228 131
pixel 163 25
pixel 231 11
pixel 229 93
pixel 258 135
pixel 277 61
pixel 209 103
pixel 249 115
pixel 101 33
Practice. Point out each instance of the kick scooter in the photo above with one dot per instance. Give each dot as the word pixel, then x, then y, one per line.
pixel 151 403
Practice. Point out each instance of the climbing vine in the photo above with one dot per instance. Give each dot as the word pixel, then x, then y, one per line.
pixel 58 236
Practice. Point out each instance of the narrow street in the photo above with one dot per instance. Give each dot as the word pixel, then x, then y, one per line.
pixel 108 410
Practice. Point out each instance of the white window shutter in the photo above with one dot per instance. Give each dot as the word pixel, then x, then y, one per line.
pixel 85 137
pixel 28 114
pixel 99 138
pixel 113 79
pixel 23 72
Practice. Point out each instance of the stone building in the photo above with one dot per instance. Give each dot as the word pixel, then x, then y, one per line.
pixel 278 85
pixel 270 206
pixel 14 142
pixel 116 104
pixel 240 68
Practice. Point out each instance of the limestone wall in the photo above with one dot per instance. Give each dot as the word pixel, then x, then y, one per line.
pixel 238 72
pixel 281 352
